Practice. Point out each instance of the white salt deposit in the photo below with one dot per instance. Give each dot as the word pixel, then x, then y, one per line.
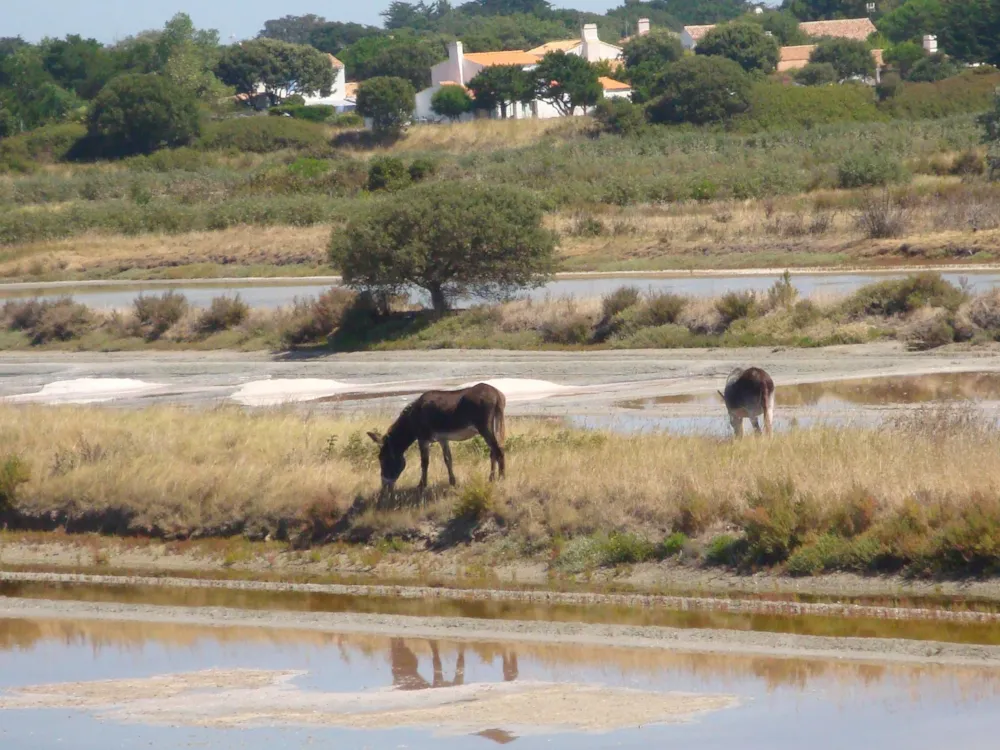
pixel 85 391
pixel 523 389
pixel 288 390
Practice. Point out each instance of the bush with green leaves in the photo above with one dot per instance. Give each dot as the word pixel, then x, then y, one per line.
pixel 869 168
pixel 970 92
pixel 744 43
pixel 775 106
pixel 567 82
pixel 138 114
pixel 816 74
pixel 620 116
pixel 904 56
pixel 451 101
pixel 312 112
pixel 849 57
pixel 900 296
pixel 446 238
pixel 281 68
pixel 262 135
pixel 889 86
pixel 14 472
pixel 388 102
pixel 932 68
pixel 701 89
pixel 387 173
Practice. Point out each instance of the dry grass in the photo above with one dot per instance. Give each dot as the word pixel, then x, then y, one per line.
pixel 168 471
pixel 488 135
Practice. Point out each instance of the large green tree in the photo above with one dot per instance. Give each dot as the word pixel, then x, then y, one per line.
pixel 292 29
pixel 783 26
pixel 398 56
pixel 701 89
pixel 139 113
pixel 849 57
pixel 334 37
pixel 447 238
pixel 646 58
pixel 388 102
pixel 567 82
pixel 912 19
pixel 501 86
pixel 743 43
pixel 281 68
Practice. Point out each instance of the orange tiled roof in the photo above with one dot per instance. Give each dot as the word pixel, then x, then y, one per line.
pixel 514 57
pixel 351 90
pixel 453 83
pixel 610 84
pixel 848 28
pixel 563 46
pixel 334 61
pixel 798 56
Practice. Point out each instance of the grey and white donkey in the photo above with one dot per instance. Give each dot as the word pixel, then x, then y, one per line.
pixel 749 393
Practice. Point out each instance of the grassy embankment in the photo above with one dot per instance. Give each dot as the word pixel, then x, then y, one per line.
pixel 260 196
pixel 923 310
pixel 898 498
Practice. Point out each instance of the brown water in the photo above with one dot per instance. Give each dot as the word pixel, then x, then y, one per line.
pixel 858 627
pixel 293 688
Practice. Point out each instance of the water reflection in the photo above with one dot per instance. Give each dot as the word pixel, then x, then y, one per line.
pixel 847 623
pixel 915 389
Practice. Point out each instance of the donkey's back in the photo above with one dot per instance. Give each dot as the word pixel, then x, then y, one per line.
pixel 749 393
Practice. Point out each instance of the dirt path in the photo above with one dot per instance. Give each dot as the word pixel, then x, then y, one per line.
pixel 467 629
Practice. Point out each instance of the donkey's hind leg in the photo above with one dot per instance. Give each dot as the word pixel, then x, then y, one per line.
pixel 446 452
pixel 496 452
pixel 755 421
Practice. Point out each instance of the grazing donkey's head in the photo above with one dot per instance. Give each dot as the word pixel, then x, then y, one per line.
pixel 391 462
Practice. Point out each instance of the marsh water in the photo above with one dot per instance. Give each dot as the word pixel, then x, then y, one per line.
pixel 282 292
pixel 228 687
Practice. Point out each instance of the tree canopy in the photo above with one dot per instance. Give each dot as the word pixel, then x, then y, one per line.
pixel 449 239
pixel 701 89
pixel 451 102
pixel 499 86
pixel 646 58
pixel 389 102
pixel 848 57
pixel 568 82
pixel 281 68
pixel 743 43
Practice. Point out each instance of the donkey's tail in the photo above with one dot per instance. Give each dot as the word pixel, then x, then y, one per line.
pixel 500 424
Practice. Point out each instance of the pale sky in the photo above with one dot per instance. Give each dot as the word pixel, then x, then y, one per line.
pixel 108 20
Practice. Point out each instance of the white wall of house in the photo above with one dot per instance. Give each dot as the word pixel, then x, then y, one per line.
pixel 338 94
pixel 687 41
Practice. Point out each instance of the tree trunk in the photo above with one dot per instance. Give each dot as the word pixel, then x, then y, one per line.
pixel 438 301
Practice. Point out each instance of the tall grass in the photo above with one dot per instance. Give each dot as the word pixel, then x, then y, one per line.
pixel 898 496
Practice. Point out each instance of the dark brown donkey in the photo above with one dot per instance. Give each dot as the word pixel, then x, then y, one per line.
pixel 439 417
pixel 749 393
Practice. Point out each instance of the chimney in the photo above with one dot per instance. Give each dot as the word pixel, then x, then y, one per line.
pixel 591 51
pixel 643 27
pixel 930 44
pixel 456 56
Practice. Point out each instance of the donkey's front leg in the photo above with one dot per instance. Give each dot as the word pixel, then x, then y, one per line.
pixel 425 460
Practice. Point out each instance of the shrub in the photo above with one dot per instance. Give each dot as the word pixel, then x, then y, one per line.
pixel 734 306
pixel 774 106
pixel 932 68
pixel 725 550
pixel 904 56
pixel 262 135
pixel 137 114
pixel 421 169
pixel 621 548
pixel 898 296
pixel 969 92
pixel 674 544
pixel 52 143
pixel 699 90
pixel 816 74
pixel 585 224
pixel 661 308
pixel 645 58
pixel 619 300
pixel 849 57
pixel 155 315
pixel 314 319
pixel 475 501
pixel 889 86
pixel 14 472
pixel 569 329
pixel 881 216
pixel 928 328
pixel 387 173
pixel 868 168
pixel 777 521
pixel 620 116
pixel 64 320
pixel 744 43
pixel 451 102
pixel 347 120
pixel 782 293
pixel 312 113
pixel 224 313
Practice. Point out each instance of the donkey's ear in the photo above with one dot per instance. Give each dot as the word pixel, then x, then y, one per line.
pixel 721 396
pixel 376 438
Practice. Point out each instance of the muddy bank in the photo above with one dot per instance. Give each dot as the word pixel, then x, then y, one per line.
pixel 465 629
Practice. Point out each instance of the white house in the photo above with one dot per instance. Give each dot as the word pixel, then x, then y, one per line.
pixel 461 67
pixel 339 96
